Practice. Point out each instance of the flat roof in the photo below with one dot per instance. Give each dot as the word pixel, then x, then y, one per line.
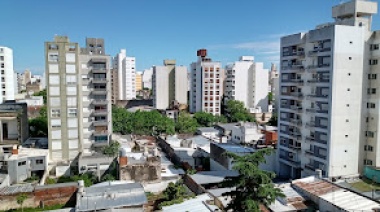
pixel 29 152
pixel 208 129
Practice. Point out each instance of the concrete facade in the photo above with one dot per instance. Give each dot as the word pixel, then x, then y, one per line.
pixel 14 123
pixel 147 78
pixel 7 88
pixel 79 97
pixel 247 81
pixel 169 83
pixel 323 101
pixel 206 85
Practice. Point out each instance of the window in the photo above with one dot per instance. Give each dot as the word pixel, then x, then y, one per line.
pixel 54 91
pixel 372 76
pixel 368 148
pixel 54 79
pixel 70 68
pixel 1 58
pixel 55 113
pixel 72 112
pixel 369 134
pixel 53 68
pixel 53 57
pixel 71 90
pixel 70 57
pixel 39 161
pixel 71 101
pixel 371 90
pixel 23 163
pixel 55 101
pixel 374 47
pixel 368 162
pixel 371 105
pixel 373 62
pixel 2 65
pixel 350 58
pixel 56 123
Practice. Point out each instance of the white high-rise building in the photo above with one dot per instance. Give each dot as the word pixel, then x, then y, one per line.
pixel 247 81
pixel 7 88
pixel 329 104
pixel 126 74
pixel 169 83
pixel 147 78
pixel 206 89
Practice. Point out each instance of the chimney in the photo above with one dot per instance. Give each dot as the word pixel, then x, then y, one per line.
pixel 202 53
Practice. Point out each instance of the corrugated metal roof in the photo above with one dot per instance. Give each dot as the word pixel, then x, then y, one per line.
pixel 197 204
pixel 10 190
pixel 58 185
pixel 209 177
pixel 111 196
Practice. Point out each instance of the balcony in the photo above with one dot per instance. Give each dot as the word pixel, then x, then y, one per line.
pixel 294 121
pixel 98 70
pixel 102 123
pixel 99 80
pixel 99 91
pixel 318 96
pixel 297 108
pixel 296 81
pixel 290 160
pixel 310 124
pixel 292 68
pixel 317 50
pixel 100 112
pixel 310 167
pixel 319 80
pixel 311 152
pixel 296 146
pixel 99 102
pixel 326 65
pixel 100 133
pixel 293 94
pixel 299 53
pixel 313 139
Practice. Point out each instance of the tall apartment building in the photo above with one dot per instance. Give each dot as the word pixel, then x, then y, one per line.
pixel 169 83
pixel 327 120
pixel 138 81
pixel 78 92
pixel 247 81
pixel 126 75
pixel 206 87
pixel 7 88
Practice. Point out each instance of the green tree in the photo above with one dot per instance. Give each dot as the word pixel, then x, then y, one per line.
pixel 38 127
pixel 253 185
pixel 186 123
pixel 220 119
pixel 112 149
pixel 270 97
pixel 236 112
pixel 21 199
pixel 174 191
pixel 108 177
pixel 273 121
pixel 42 93
pixel 204 119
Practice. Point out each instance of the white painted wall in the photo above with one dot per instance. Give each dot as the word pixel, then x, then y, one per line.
pixel 8 75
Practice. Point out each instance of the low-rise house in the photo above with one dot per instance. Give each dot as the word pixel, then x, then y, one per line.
pixel 110 196
pixel 22 163
pixel 96 163
pixel 199 203
pixel 209 132
pixel 242 133
pixel 193 151
pixel 220 161
pixel 292 202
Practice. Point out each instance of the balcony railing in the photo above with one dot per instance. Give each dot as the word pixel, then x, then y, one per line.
pixel 294 146
pixel 310 167
pixel 323 96
pixel 99 102
pixel 99 112
pixel 295 67
pixel 100 123
pixel 99 80
pixel 100 133
pixel 291 160
pixel 294 94
pixel 310 124
pixel 99 91
pixel 326 65
pixel 319 80
pixel 98 70
pixel 315 51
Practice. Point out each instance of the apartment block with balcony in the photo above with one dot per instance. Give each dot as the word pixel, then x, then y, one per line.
pixel 79 97
pixel 206 85
pixel 323 93
pixel 247 81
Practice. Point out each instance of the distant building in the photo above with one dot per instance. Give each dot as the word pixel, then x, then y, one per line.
pixel 206 89
pixel 125 74
pixel 138 81
pixel 247 81
pixel 7 88
pixel 169 83
pixel 147 78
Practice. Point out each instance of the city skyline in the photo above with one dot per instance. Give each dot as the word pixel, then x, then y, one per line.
pixel 154 31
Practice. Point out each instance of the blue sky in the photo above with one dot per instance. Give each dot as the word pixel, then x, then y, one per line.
pixel 160 29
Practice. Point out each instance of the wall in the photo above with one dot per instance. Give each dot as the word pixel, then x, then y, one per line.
pixel 150 171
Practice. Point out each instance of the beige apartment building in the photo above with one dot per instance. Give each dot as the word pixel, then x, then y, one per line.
pixel 79 97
